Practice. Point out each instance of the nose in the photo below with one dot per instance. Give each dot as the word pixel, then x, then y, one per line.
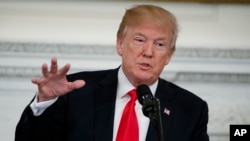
pixel 148 51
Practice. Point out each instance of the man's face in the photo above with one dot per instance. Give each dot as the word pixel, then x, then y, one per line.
pixel 145 50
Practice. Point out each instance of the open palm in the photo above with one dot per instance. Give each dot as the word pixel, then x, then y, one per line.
pixel 54 83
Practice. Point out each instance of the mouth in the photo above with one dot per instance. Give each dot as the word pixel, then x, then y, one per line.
pixel 145 66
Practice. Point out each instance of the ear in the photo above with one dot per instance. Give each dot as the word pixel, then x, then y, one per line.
pixel 168 58
pixel 119 45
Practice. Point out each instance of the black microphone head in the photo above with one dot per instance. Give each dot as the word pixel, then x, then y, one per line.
pixel 143 93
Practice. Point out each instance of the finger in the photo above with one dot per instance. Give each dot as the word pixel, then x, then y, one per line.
pixel 35 80
pixel 77 84
pixel 54 66
pixel 45 71
pixel 64 70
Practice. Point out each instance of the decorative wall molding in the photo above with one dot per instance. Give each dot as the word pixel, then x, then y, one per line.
pixel 47 48
pixel 220 124
pixel 174 77
pixel 181 52
pixel 14 52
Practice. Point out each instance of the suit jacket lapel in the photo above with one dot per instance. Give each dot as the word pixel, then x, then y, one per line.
pixel 105 107
pixel 167 110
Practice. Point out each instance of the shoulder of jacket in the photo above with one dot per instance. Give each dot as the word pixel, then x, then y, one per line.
pixel 83 75
pixel 180 92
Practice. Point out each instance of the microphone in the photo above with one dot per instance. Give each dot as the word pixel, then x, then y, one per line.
pixel 146 99
pixel 150 108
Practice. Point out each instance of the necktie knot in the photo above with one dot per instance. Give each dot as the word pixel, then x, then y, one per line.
pixel 133 95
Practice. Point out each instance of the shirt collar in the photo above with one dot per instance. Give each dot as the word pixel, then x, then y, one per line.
pixel 125 86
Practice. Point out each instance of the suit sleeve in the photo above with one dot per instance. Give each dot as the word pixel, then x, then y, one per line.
pixel 201 128
pixel 48 126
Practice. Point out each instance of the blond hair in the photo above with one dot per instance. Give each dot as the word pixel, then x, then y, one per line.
pixel 140 14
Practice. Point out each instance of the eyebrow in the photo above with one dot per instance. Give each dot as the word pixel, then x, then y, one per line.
pixel 141 34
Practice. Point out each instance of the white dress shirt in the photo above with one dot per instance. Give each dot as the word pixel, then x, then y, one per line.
pixel 39 107
pixel 124 86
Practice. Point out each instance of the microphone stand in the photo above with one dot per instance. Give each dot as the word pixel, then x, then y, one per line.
pixel 158 119
pixel 152 110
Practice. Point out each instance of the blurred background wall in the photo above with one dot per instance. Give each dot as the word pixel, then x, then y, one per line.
pixel 212 57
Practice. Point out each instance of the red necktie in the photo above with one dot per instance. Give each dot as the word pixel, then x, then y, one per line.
pixel 128 129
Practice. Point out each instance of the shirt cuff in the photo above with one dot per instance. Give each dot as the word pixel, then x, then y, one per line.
pixel 39 107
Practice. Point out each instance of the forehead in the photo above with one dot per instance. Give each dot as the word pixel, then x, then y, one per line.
pixel 149 30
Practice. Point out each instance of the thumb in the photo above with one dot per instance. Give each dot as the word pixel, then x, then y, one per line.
pixel 78 84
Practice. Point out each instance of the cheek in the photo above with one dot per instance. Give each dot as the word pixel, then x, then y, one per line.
pixel 161 62
pixel 131 53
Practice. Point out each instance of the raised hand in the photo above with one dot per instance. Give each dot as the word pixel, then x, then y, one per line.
pixel 54 83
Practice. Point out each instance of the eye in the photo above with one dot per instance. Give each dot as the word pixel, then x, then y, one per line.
pixel 160 44
pixel 139 40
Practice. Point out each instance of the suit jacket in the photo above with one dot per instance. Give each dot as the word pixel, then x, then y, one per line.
pixel 87 114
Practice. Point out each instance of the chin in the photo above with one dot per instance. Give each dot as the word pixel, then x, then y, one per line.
pixel 142 79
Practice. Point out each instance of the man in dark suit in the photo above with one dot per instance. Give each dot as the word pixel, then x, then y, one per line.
pixel 88 106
